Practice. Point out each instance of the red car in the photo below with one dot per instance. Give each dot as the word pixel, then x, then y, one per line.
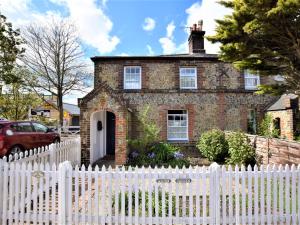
pixel 16 137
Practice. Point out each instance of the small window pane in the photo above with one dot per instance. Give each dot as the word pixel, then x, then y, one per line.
pixel 188 78
pixel 177 125
pixel 251 80
pixel 132 77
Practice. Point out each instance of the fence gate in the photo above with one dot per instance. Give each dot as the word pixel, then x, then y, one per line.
pixel 202 195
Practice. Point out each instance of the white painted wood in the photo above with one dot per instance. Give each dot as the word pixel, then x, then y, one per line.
pixel 204 205
pixel 268 190
pixel 22 192
pixel 123 188
pixel 287 195
pixel 281 197
pixel 191 196
pixel 237 194
pixel 110 196
pixel 170 197
pixel 293 195
pixel 224 189
pixel 17 193
pixel 230 190
pixel 250 194
pixel 117 194
pixel 86 197
pixel 83 197
pixel 76 194
pixel 89 193
pixel 130 203
pixel 256 204
pixel 243 192
pixel 96 198
pixel 275 201
pixel 262 195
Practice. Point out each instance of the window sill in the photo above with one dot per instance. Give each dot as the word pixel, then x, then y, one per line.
pixel 178 141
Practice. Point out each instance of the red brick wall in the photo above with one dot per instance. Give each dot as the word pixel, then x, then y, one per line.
pixel 163 120
pixel 280 151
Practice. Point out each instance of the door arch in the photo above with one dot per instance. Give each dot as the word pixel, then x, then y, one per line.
pixel 102 134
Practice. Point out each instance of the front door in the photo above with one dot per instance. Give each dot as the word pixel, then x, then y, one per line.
pixel 110 133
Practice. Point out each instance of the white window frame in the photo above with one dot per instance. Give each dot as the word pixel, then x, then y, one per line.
pixel 124 78
pixel 248 75
pixel 181 75
pixel 187 126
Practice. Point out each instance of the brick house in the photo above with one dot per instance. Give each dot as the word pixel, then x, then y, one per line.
pixel 187 94
pixel 286 116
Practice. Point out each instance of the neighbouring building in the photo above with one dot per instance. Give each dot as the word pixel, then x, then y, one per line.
pixel 187 94
pixel 49 111
pixel 286 116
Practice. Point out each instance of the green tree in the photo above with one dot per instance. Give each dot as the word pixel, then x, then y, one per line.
pixel 10 50
pixel 16 100
pixel 150 132
pixel 263 36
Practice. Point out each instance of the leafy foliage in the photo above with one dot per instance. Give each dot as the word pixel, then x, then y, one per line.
pixel 150 132
pixel 213 145
pixel 240 150
pixel 262 36
pixel 10 50
pixel 15 101
pixel 158 154
pixel 148 198
pixel 266 127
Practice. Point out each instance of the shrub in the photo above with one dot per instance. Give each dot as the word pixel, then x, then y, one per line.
pixel 240 150
pixel 158 154
pixel 266 127
pixel 150 132
pixel 213 145
pixel 148 198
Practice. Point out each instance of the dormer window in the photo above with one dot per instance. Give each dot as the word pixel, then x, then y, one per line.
pixel 251 80
pixel 188 78
pixel 132 77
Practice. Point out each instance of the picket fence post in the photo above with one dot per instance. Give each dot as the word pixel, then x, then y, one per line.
pixel 64 181
pixel 214 194
pixel 51 154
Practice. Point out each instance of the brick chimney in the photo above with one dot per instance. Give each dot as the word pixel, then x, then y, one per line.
pixel 196 38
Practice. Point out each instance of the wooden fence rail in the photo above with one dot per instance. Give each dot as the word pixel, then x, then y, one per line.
pixel 55 153
pixel 41 194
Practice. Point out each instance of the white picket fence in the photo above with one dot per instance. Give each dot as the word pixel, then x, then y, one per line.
pixel 55 153
pixel 202 195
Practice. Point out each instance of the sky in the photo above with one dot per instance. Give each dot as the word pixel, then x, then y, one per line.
pixel 122 27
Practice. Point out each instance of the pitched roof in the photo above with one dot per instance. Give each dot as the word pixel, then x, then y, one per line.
pixel 72 109
pixel 280 103
pixel 172 56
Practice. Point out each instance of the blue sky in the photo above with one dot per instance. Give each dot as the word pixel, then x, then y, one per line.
pixel 122 27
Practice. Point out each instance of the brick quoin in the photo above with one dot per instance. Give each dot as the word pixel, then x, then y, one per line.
pixel 221 110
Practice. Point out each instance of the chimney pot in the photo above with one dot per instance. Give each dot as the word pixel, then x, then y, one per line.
pixel 196 38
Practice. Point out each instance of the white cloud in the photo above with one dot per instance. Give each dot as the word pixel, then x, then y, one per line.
pixel 149 24
pixel 167 43
pixel 94 26
pixel 150 51
pixel 208 11
pixel 123 54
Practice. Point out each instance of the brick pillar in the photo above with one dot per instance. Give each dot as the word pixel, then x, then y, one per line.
pixel 121 133
pixel 221 110
pixel 243 118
